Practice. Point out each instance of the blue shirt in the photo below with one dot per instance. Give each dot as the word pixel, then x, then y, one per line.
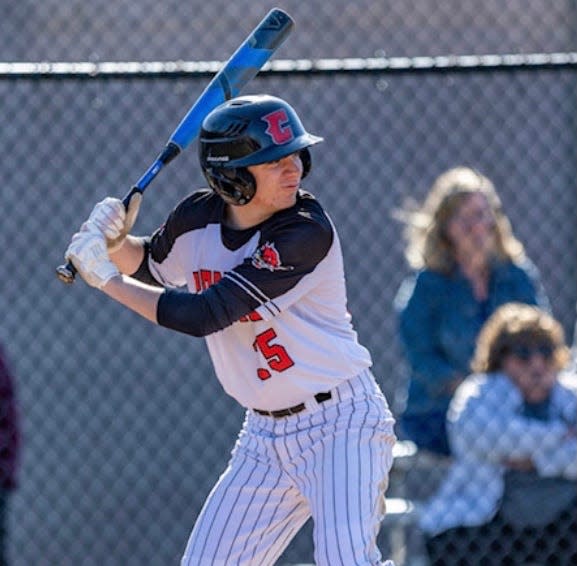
pixel 439 320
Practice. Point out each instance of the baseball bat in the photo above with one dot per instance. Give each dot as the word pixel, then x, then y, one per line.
pixel 241 67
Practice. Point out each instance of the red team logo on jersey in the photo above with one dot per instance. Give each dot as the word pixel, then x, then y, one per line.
pixel 267 257
pixel 278 127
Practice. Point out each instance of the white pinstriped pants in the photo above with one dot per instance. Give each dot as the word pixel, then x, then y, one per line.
pixel 331 461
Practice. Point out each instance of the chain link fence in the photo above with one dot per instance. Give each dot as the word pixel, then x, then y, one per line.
pixel 125 426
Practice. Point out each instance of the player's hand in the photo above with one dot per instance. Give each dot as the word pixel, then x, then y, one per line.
pixel 113 220
pixel 89 255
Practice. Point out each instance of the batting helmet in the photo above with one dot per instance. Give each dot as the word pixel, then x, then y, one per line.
pixel 244 131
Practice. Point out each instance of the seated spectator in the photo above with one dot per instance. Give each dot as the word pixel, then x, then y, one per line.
pixel 466 263
pixel 510 495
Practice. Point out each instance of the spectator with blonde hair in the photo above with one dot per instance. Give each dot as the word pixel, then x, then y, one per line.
pixel 510 495
pixel 466 263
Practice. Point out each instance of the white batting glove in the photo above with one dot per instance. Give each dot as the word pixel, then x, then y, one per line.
pixel 89 255
pixel 113 220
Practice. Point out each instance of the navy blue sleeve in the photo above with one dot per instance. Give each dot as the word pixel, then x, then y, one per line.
pixel 202 314
pixel 143 272
pixel 289 248
pixel 286 254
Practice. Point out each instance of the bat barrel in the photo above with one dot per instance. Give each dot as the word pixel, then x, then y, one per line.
pixel 170 151
pixel 242 66
pixel 272 31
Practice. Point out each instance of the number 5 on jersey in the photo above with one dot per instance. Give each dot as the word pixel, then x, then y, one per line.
pixel 276 355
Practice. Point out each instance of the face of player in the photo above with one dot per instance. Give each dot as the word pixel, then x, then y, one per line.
pixel 531 367
pixel 277 183
pixel 471 229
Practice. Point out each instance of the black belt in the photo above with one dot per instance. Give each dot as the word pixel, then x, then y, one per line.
pixel 319 397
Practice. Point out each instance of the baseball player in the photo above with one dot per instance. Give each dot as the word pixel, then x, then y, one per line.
pixel 253 263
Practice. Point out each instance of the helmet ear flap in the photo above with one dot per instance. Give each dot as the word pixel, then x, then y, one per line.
pixel 247 185
pixel 306 160
pixel 235 186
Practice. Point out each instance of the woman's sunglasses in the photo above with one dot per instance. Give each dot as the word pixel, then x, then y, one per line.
pixel 525 352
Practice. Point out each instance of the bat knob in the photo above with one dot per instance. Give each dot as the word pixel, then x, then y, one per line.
pixel 66 273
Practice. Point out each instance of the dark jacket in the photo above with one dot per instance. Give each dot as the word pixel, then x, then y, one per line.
pixel 440 320
pixel 9 431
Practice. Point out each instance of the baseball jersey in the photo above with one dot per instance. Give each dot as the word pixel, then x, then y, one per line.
pixel 270 300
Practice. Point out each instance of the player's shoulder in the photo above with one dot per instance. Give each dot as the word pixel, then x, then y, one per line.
pixel 307 215
pixel 309 204
pixel 201 201
pixel 195 211
pixel 302 230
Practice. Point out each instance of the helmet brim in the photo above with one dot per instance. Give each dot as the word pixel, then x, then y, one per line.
pixel 274 153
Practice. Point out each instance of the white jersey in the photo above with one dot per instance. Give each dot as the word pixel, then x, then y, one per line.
pixel 270 300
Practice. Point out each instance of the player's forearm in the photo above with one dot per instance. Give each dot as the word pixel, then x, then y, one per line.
pixel 137 296
pixel 129 256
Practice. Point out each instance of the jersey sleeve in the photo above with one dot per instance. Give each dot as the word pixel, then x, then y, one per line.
pixel 162 264
pixel 143 272
pixel 287 252
pixel 282 268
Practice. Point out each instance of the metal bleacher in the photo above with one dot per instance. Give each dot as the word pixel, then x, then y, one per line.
pixel 414 477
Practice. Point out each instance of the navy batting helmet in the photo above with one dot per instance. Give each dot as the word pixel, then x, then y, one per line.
pixel 244 131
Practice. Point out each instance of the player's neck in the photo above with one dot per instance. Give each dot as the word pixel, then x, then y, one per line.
pixel 244 217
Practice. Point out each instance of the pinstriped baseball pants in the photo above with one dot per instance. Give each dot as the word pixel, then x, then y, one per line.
pixel 330 462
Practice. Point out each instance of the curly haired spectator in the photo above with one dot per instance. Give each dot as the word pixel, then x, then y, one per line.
pixel 510 495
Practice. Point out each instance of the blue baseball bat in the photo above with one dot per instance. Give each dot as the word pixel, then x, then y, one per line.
pixel 241 67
